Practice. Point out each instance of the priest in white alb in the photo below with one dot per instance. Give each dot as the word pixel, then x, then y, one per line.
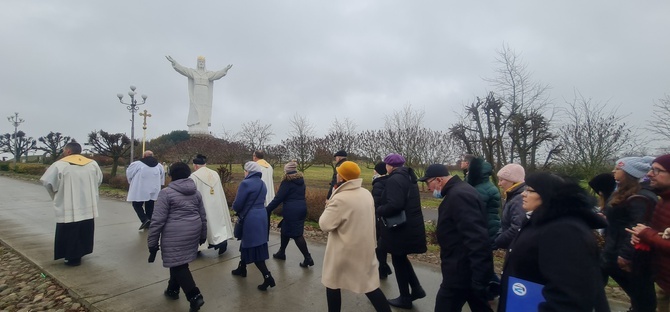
pixel 266 175
pixel 219 225
pixel 73 183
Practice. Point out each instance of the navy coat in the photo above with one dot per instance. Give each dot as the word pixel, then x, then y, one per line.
pixel 294 209
pixel 251 193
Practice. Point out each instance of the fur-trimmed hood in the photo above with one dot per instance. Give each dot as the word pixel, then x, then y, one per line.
pixel 296 178
pixel 562 198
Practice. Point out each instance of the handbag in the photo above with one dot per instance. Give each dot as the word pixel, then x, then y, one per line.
pixel 239 226
pixel 394 221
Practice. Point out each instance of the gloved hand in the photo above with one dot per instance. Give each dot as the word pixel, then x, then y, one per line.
pixel 152 253
pixel 203 240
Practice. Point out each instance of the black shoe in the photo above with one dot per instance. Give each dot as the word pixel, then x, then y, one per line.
pixel 418 293
pixel 145 225
pixel 241 270
pixel 196 303
pixel 172 294
pixel 384 271
pixel 308 262
pixel 279 255
pixel 268 281
pixel 401 302
pixel 223 247
pixel 73 262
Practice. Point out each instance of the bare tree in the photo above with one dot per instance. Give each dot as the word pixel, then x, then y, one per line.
pixel 593 138
pixel 341 136
pixel 113 145
pixel 54 142
pixel 371 146
pixel 402 134
pixel 659 123
pixel 17 144
pixel 254 135
pixel 300 143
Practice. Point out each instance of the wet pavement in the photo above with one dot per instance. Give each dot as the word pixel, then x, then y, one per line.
pixel 117 277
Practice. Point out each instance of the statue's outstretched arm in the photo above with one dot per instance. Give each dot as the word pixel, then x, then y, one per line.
pixel 219 74
pixel 177 67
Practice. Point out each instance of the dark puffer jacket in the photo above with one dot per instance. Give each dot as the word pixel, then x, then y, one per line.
pixel 401 192
pixel 513 216
pixel 179 222
pixel 479 176
pixel 294 210
pixel 556 248
pixel 251 194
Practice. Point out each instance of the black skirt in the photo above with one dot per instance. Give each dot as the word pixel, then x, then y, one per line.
pixel 74 240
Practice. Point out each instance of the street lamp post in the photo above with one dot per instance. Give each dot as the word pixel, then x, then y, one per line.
pixel 16 121
pixel 132 108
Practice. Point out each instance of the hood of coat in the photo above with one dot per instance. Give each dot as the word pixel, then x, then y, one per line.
pixel 479 172
pixel 407 172
pixel 183 186
pixel 569 200
pixel 296 178
pixel 379 179
pixel 149 161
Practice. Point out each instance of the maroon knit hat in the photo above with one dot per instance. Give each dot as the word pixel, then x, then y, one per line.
pixel 664 161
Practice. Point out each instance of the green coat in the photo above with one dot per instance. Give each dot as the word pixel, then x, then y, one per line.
pixel 479 176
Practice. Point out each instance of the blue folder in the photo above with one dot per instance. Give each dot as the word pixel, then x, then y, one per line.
pixel 523 295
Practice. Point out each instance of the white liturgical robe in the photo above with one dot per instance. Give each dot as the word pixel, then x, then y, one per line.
pixel 219 226
pixel 266 171
pixel 73 184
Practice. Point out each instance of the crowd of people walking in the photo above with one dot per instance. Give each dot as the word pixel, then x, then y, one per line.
pixel 561 244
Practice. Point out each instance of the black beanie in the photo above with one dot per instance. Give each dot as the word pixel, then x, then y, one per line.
pixel 604 183
pixel 545 184
pixel 381 168
pixel 179 170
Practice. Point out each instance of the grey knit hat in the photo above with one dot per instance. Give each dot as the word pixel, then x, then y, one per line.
pixel 252 166
pixel 635 166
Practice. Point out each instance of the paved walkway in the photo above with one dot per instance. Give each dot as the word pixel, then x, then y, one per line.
pixel 117 277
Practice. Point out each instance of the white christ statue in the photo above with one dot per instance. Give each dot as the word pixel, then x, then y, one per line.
pixel 200 87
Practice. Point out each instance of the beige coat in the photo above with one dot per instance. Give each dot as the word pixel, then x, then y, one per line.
pixel 350 262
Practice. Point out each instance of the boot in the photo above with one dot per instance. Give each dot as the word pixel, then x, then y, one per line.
pixel 401 302
pixel 308 261
pixel 195 298
pixel 172 290
pixel 279 255
pixel 241 270
pixel 268 280
pixel 223 247
pixel 384 270
pixel 417 293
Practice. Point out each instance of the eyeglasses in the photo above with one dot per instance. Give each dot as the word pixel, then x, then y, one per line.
pixel 656 170
pixel 429 181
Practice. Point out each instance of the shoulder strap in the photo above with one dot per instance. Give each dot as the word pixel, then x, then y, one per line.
pixel 246 209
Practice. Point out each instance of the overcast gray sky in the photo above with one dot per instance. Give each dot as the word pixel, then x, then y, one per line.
pixel 64 61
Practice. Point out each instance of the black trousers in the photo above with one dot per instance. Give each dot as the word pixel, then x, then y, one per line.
pixel 376 297
pixel 453 299
pixel 180 276
pixel 144 213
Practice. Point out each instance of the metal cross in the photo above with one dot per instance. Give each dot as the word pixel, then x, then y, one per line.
pixel 145 115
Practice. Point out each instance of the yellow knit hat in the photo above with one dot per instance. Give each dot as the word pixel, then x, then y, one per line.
pixel 349 170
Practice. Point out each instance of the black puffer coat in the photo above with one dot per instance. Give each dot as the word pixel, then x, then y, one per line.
pixel 557 248
pixel 401 192
pixel 294 210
